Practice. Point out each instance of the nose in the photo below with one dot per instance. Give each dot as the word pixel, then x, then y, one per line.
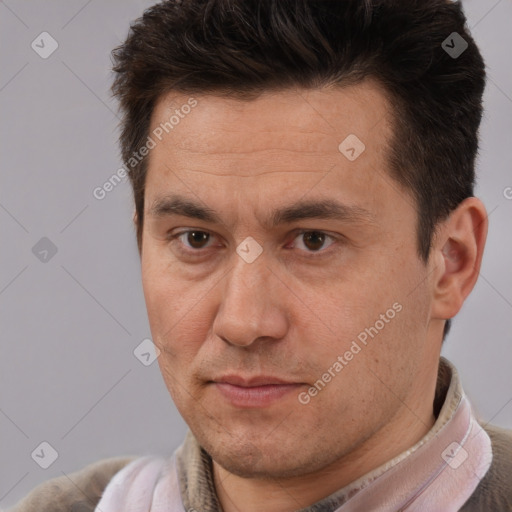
pixel 252 306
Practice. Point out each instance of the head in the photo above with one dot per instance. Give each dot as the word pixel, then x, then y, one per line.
pixel 341 137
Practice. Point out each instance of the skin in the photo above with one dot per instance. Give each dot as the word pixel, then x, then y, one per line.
pixel 300 304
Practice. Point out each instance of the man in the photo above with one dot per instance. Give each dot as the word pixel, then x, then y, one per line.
pixel 303 179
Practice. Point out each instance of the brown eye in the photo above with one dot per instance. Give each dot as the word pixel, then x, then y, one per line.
pixel 310 241
pixel 196 239
pixel 314 240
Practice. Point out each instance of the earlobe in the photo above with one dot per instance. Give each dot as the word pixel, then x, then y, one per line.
pixel 459 246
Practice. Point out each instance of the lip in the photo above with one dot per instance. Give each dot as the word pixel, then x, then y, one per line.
pixel 253 392
pixel 254 381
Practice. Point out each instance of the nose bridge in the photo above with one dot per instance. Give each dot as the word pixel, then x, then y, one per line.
pixel 246 289
pixel 248 308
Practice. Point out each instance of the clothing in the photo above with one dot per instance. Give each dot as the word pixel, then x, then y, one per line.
pixel 399 483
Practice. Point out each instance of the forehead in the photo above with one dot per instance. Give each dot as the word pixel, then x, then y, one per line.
pixel 248 137
pixel 246 157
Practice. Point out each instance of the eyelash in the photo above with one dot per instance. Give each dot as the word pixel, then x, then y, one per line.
pixel 311 254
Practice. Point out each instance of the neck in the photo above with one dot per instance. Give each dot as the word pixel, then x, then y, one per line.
pixel 236 493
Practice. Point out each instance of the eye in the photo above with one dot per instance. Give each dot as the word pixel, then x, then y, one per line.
pixel 193 239
pixel 314 241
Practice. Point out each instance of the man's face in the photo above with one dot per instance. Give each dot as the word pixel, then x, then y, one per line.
pixel 265 354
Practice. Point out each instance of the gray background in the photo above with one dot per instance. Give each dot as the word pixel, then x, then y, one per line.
pixel 70 325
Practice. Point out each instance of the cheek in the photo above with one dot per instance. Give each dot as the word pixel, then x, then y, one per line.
pixel 159 291
pixel 376 316
pixel 162 289
pixel 177 311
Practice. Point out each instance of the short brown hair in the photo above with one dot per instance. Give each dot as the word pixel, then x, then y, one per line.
pixel 246 47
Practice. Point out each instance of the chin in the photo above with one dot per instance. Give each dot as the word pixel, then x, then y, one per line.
pixel 254 465
pixel 264 458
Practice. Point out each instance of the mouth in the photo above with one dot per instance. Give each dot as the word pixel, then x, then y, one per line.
pixel 253 392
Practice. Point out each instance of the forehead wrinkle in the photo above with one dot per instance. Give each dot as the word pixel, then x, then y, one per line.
pixel 273 150
pixel 247 141
pixel 248 175
pixel 167 167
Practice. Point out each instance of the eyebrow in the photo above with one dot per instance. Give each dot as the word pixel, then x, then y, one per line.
pixel 301 210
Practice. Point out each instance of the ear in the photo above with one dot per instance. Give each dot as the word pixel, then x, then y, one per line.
pixel 135 217
pixel 457 255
